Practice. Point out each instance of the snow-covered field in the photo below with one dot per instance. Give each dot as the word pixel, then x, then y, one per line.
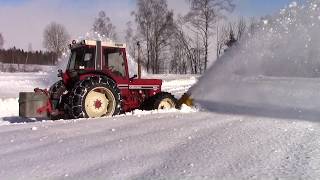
pixel 162 146
pixel 4 67
pixel 185 144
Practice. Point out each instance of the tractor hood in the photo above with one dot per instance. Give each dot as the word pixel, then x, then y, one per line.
pixel 154 84
pixel 148 82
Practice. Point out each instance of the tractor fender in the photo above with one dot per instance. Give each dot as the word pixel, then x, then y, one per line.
pixel 71 77
pixel 85 75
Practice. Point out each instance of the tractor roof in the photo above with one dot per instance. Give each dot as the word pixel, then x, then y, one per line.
pixel 94 43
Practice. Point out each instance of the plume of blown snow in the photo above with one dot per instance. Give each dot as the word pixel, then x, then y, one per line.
pixel 271 67
pixel 285 45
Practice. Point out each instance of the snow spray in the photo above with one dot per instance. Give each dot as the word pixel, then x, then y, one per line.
pixel 272 70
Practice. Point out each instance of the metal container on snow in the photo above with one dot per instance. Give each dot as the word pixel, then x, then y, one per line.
pixel 30 102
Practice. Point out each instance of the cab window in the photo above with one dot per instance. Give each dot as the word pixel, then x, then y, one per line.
pixel 82 58
pixel 114 61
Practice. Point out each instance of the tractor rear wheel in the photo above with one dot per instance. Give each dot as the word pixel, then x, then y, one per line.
pixel 95 97
pixel 164 100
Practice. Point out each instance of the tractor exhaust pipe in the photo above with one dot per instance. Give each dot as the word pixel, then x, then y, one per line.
pixel 139 60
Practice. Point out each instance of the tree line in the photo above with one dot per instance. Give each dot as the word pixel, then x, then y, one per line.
pixel 183 43
pixel 186 43
pixel 19 56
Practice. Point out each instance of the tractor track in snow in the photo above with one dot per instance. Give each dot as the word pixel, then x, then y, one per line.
pixel 200 145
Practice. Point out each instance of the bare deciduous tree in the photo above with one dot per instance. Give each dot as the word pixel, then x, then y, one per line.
pixel 186 51
pixel 253 26
pixel 241 28
pixel 104 26
pixel 181 49
pixel 222 38
pixel 131 40
pixel 129 32
pixel 230 34
pixel 56 38
pixel 203 15
pixel 1 41
pixel 155 23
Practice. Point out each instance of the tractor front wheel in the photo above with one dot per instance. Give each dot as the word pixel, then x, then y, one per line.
pixel 56 92
pixel 164 100
pixel 95 97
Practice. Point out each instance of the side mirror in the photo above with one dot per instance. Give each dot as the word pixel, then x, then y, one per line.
pixel 60 73
pixel 134 76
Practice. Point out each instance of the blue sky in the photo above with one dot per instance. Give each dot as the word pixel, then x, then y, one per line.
pixel 22 21
pixel 260 7
pixel 11 2
pixel 244 7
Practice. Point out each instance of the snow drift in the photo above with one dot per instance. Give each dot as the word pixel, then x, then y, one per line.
pixel 270 72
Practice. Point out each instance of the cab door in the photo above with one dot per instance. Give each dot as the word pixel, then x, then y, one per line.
pixel 114 63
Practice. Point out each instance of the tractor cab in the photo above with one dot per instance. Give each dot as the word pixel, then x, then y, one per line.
pixel 96 56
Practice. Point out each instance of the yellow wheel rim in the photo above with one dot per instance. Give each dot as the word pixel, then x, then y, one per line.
pixel 100 102
pixel 166 103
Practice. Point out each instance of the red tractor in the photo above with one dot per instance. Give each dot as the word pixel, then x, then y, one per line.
pixel 96 83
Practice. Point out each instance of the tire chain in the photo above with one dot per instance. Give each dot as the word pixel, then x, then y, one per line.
pixel 82 90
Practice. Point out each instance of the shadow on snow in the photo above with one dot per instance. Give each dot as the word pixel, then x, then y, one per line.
pixel 263 111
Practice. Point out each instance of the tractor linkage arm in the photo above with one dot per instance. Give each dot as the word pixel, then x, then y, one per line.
pixel 48 105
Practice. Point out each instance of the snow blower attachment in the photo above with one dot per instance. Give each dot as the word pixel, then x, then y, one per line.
pixel 96 83
pixel 34 104
pixel 186 99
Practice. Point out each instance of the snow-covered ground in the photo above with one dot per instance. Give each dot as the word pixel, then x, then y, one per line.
pixel 178 144
pixel 162 146
pixel 4 67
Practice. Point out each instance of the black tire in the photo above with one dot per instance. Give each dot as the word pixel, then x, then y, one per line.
pixel 154 102
pixel 56 92
pixel 79 93
pixel 57 89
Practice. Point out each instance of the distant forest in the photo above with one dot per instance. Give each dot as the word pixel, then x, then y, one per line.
pixel 19 56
